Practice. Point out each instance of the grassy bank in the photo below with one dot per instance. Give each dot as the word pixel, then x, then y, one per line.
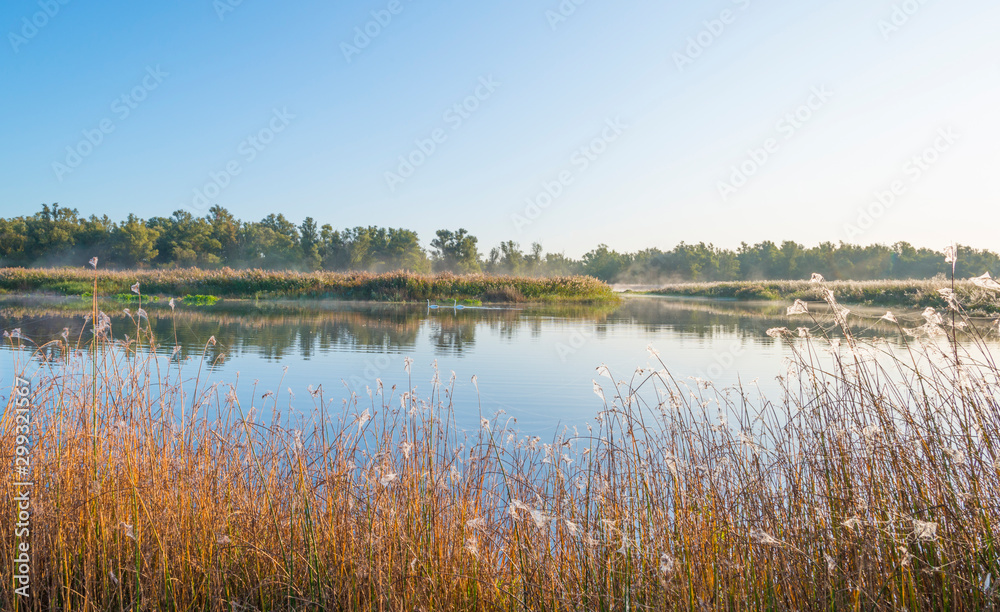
pixel 227 283
pixel 898 294
pixel 870 484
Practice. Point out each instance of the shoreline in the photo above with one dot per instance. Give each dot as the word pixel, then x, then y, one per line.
pixel 911 294
pixel 389 287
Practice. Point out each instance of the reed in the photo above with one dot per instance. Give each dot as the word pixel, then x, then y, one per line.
pixel 871 483
pixel 229 283
pixel 888 293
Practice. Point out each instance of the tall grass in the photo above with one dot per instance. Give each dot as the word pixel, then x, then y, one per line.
pixel 871 483
pixel 229 283
pixel 889 293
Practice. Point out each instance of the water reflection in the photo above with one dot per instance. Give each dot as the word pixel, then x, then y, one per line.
pixel 279 330
pixel 537 363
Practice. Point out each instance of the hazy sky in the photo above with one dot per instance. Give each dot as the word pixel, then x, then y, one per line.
pixel 636 124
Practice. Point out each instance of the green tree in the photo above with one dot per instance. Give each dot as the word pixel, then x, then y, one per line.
pixel 557 264
pixel 506 259
pixel 272 243
pixel 93 239
pixel 225 231
pixel 278 240
pixel 760 261
pixel 13 241
pixel 309 242
pixel 333 251
pixel 51 234
pixel 455 252
pixel 402 251
pixel 533 260
pixel 605 264
pixel 133 243
pixel 361 253
pixel 185 240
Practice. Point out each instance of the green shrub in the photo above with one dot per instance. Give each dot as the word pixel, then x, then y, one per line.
pixel 199 300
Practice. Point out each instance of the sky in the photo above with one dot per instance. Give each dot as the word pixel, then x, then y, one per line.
pixel 571 123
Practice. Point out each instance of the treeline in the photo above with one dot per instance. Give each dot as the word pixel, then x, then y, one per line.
pixel 57 236
pixel 786 261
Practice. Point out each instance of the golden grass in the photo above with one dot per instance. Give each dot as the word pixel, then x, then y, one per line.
pixel 870 484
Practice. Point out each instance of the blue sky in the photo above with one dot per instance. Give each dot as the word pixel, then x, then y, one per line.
pixel 635 124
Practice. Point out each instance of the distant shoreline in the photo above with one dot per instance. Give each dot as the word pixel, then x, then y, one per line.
pixel 889 293
pixel 227 283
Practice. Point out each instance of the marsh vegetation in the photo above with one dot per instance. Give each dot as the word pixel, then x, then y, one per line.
pixel 362 286
pixel 870 482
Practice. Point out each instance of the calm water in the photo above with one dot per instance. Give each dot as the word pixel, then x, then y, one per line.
pixel 535 363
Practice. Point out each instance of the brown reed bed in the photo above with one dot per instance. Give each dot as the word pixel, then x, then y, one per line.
pixel 871 483
pixel 230 283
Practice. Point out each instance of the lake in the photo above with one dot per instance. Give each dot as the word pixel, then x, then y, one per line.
pixel 537 363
